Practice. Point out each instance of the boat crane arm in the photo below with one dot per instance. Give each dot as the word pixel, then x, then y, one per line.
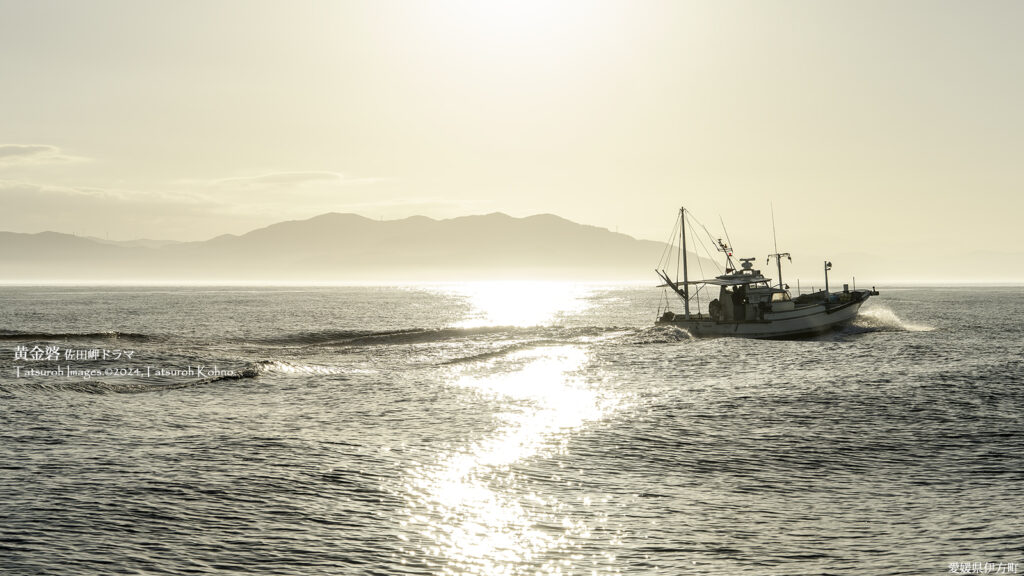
pixel 668 282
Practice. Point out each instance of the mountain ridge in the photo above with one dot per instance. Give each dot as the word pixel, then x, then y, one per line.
pixel 344 246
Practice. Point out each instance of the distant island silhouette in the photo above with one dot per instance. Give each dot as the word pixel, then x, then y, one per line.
pixel 347 247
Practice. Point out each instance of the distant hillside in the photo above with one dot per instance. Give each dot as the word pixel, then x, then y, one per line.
pixel 348 247
pixel 144 242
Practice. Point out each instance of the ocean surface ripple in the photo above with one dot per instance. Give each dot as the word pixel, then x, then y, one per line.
pixel 486 429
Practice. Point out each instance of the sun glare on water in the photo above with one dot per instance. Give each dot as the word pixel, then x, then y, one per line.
pixel 519 303
pixel 473 510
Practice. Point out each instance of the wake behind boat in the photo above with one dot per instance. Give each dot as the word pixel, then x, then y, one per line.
pixel 749 305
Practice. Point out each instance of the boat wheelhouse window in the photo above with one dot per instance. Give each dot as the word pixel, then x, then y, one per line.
pixel 780 296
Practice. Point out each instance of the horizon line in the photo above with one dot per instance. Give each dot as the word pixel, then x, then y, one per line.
pixel 889 284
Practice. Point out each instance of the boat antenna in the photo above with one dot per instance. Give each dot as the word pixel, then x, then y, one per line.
pixel 726 248
pixel 775 238
pixel 778 256
pixel 726 231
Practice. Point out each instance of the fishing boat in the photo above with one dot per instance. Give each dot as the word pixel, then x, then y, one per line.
pixel 749 304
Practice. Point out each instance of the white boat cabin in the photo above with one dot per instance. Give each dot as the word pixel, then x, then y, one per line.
pixel 746 294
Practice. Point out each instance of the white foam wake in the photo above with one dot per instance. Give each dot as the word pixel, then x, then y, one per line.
pixel 883 318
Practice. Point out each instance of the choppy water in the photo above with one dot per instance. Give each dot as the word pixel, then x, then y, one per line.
pixel 503 429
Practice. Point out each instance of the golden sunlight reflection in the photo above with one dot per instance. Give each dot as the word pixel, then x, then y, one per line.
pixel 520 303
pixel 479 514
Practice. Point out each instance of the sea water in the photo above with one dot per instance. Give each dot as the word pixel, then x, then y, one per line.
pixel 512 428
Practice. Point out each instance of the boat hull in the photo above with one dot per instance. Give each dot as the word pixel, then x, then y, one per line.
pixel 797 323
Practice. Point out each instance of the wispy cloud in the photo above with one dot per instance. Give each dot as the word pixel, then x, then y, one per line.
pixel 286 194
pixel 43 193
pixel 29 154
pixel 283 179
pixel 125 214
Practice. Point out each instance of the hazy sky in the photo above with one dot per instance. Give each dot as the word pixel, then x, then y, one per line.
pixel 871 126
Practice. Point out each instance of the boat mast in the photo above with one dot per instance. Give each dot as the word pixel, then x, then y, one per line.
pixel 682 244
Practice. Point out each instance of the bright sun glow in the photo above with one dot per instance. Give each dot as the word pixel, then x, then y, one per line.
pixel 520 23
